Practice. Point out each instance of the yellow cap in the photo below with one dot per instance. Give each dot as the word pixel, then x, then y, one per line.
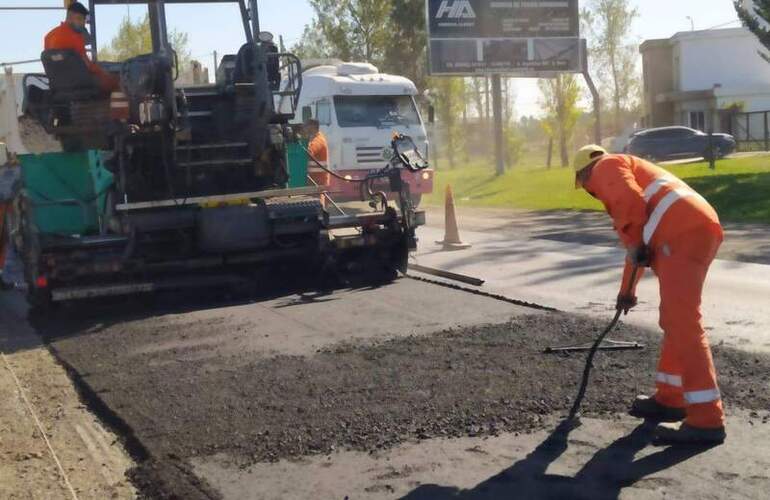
pixel 587 155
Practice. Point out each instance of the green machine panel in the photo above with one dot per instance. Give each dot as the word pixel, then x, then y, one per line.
pixel 67 191
pixel 296 156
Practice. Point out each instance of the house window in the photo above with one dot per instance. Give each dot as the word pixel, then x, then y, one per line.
pixel 698 120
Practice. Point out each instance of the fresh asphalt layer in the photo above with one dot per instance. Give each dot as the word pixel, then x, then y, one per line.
pixel 401 391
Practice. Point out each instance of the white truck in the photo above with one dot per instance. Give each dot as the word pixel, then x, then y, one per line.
pixel 359 109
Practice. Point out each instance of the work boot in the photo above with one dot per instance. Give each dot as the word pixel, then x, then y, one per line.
pixel 688 435
pixel 649 409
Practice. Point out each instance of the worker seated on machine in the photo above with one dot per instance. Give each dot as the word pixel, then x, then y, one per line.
pixel 72 35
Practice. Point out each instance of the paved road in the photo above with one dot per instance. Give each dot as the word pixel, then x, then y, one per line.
pixel 572 262
pixel 188 382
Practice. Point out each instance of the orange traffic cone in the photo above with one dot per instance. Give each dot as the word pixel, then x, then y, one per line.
pixel 451 233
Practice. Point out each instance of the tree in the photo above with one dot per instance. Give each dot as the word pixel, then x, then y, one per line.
pixel 313 44
pixel 560 98
pixel 447 95
pixel 135 38
pixel 406 47
pixel 757 19
pixel 609 22
pixel 354 30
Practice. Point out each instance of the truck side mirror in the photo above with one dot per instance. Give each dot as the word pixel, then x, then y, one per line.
pixel 431 114
pixel 307 113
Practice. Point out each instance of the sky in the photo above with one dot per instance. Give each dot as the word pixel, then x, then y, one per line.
pixel 217 27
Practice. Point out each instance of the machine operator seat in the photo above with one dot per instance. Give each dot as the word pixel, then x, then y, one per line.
pixel 69 77
pixel 245 69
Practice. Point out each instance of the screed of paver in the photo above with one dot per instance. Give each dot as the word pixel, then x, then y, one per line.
pixel 601 459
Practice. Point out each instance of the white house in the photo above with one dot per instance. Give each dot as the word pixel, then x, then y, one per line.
pixel 701 78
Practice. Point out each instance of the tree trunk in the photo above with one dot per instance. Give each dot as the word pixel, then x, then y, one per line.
pixel 563 149
pixel 549 161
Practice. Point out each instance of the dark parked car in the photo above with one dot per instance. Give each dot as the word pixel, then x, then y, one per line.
pixel 677 142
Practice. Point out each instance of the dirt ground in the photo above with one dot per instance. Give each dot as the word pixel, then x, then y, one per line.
pixel 368 396
pixel 92 457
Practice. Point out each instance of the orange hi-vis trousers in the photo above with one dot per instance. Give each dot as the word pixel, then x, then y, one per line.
pixel 686 376
pixel 650 206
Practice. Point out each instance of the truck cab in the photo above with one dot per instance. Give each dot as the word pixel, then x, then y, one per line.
pixel 359 109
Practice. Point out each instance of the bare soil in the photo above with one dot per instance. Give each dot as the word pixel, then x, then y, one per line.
pixel 477 381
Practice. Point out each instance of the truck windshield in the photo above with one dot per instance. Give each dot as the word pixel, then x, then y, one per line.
pixel 376 111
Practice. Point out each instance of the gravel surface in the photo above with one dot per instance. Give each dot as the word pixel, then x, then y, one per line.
pixel 468 382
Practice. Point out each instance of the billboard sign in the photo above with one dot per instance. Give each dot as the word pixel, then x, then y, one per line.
pixel 517 38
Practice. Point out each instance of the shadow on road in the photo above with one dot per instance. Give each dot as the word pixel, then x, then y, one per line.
pixel 603 477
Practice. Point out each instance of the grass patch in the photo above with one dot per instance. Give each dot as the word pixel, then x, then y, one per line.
pixel 739 188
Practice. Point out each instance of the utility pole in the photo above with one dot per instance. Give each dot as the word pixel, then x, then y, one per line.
pixel 216 62
pixel 497 109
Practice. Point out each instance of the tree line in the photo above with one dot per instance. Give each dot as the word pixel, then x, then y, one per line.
pixel 392 35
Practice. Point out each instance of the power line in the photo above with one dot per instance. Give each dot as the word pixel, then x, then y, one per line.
pixel 16 63
pixel 724 24
pixel 33 8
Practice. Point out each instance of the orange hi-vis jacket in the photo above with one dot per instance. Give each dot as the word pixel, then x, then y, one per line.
pixel 648 204
pixel 319 150
pixel 63 37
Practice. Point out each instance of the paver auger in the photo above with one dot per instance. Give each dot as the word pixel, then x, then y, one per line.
pixel 164 186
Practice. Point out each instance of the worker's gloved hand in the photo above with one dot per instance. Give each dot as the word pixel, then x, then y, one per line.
pixel 625 303
pixel 640 256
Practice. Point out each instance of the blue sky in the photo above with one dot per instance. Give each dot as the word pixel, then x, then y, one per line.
pixel 217 27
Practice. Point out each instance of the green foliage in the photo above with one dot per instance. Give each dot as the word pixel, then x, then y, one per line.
pixel 313 44
pixel 513 145
pixel 756 19
pixel 614 54
pixel 134 38
pixel 737 188
pixel 448 97
pixel 560 103
pixel 406 47
pixel 388 33
pixel 353 30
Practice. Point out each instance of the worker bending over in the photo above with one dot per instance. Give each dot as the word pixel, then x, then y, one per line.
pixel 318 149
pixel 665 224
pixel 71 35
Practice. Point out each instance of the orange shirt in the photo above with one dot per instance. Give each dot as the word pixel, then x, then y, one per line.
pixel 647 203
pixel 319 148
pixel 63 37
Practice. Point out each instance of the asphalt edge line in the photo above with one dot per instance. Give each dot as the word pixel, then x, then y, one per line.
pixel 108 417
pixel 39 426
pixel 495 296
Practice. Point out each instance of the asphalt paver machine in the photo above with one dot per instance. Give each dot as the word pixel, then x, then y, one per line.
pixel 162 185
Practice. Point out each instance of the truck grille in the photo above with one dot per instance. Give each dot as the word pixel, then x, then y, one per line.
pixel 369 154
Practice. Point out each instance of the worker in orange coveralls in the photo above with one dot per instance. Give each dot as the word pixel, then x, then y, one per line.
pixel 667 225
pixel 319 152
pixel 71 35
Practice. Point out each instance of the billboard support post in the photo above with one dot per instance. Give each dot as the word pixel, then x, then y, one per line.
pixel 597 107
pixel 594 95
pixel 497 109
